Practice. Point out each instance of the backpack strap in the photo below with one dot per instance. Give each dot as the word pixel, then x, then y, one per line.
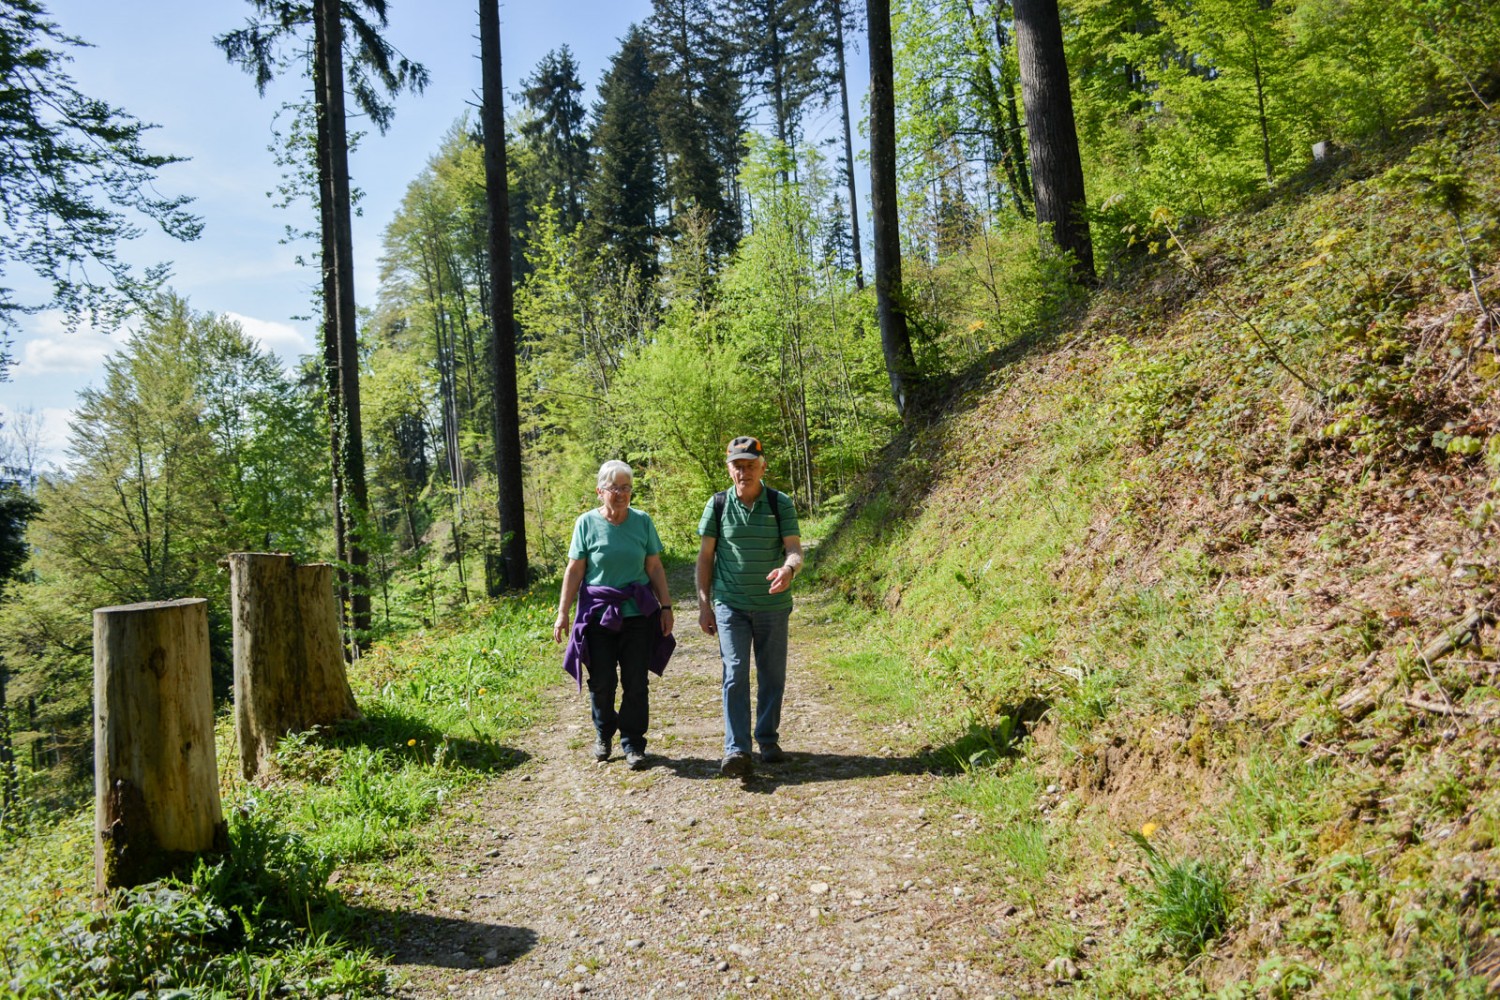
pixel 772 497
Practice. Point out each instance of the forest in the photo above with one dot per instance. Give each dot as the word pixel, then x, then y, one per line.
pixel 1217 234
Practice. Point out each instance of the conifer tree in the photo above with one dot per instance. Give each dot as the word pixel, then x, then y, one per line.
pixel 624 189
pixel 895 338
pixel 75 176
pixel 557 132
pixel 836 18
pixel 507 422
pixel 373 65
pixel 700 114
pixel 784 48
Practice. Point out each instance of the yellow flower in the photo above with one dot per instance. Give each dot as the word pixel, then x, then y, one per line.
pixel 1148 829
pixel 412 743
pixel 482 691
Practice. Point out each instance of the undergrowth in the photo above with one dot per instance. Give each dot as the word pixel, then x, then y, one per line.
pixel 1162 583
pixel 440 708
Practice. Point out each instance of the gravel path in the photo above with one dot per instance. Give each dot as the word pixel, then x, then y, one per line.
pixel 822 875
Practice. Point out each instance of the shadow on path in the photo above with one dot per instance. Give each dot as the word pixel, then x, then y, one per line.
pixel 412 938
pixel 404 734
pixel 803 768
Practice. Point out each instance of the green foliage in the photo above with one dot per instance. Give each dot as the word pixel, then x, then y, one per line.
pixel 1187 900
pixel 77 180
pixel 437 709
pixel 262 920
pixel 271 877
pixel 244 926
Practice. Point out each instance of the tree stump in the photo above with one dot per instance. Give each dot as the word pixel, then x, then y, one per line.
pixel 156 779
pixel 288 656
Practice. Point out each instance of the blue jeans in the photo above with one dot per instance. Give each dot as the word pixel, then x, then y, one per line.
pixel 740 632
pixel 629 651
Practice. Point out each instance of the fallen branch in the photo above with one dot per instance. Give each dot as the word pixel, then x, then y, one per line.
pixel 1452 711
pixel 1459 635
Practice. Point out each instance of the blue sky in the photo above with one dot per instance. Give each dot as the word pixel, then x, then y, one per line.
pixel 156 59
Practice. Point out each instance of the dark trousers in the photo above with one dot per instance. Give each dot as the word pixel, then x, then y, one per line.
pixel 621 659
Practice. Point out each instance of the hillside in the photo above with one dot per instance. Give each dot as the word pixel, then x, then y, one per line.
pixel 1210 576
pixel 1157 658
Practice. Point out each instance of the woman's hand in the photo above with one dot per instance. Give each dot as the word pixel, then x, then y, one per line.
pixel 561 627
pixel 666 621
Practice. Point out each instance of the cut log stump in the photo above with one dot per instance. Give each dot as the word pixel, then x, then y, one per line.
pixel 156 780
pixel 288 656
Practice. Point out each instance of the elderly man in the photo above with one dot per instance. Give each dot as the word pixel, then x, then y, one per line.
pixel 750 553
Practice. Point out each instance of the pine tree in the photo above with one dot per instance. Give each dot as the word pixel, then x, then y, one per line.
pixel 74 178
pixel 895 338
pixel 784 47
pixel 624 189
pixel 373 65
pixel 700 116
pixel 556 131
pixel 507 422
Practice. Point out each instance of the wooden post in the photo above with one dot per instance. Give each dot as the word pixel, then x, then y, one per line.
pixel 156 780
pixel 288 657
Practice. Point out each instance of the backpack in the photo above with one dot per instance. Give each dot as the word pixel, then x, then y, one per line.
pixel 772 497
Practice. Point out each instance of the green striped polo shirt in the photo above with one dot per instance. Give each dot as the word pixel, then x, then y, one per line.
pixel 749 549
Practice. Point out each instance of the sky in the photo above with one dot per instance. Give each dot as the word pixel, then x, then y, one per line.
pixel 156 59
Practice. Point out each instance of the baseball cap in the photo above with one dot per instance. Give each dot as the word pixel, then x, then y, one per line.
pixel 744 447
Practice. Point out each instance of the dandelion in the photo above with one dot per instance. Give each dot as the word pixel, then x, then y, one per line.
pixel 1148 829
pixel 412 743
pixel 482 692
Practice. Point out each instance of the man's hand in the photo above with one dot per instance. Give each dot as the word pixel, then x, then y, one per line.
pixel 781 578
pixel 706 620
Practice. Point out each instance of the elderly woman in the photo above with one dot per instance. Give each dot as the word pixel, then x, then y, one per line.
pixel 624 623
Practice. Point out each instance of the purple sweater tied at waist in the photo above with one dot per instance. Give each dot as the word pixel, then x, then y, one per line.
pixel 604 606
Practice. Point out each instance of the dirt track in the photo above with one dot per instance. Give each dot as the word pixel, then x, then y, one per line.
pixel 822 875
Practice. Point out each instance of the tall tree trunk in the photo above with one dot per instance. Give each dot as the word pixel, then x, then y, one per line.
pixel 1015 148
pixel 502 318
pixel 8 798
pixel 859 260
pixel 1056 168
pixel 330 291
pixel 334 177
pixel 895 339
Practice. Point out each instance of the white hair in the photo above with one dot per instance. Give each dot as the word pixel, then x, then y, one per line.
pixel 610 471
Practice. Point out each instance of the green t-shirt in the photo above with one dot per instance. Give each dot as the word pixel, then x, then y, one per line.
pixel 748 548
pixel 615 553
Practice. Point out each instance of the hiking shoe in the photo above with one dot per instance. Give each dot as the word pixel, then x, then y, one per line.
pixel 635 760
pixel 601 749
pixel 770 753
pixel 736 765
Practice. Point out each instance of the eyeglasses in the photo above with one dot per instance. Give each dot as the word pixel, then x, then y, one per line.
pixel 616 490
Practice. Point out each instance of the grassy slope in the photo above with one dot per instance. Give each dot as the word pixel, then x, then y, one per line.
pixel 1146 537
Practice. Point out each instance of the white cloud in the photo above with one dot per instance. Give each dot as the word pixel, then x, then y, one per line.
pixel 50 348
pixel 284 340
